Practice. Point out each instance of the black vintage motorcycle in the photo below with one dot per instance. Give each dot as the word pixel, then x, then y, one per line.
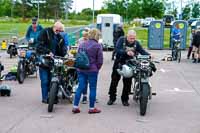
pixel 141 68
pixel 64 78
pixel 12 49
pixel 27 63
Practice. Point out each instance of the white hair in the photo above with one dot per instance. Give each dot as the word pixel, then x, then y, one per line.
pixel 131 32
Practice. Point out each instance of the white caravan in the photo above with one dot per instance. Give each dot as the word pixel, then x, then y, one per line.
pixel 106 23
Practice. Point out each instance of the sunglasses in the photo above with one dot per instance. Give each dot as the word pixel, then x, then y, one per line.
pixel 34 23
pixel 59 31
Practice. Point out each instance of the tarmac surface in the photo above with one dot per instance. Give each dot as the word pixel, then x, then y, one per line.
pixel 175 108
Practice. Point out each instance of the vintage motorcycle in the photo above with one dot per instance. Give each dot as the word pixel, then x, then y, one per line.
pixel 64 78
pixel 12 49
pixel 141 69
pixel 26 63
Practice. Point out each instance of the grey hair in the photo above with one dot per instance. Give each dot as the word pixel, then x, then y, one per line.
pixel 131 32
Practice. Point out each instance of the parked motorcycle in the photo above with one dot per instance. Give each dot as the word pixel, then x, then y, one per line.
pixel 141 69
pixel 64 78
pixel 12 49
pixel 27 63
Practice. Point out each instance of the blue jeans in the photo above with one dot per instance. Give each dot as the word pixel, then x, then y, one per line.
pixel 85 90
pixel 45 77
pixel 83 79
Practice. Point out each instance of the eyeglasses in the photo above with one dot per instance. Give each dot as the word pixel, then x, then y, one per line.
pixel 34 23
pixel 58 31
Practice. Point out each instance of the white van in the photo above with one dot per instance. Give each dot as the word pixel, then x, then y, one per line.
pixel 106 23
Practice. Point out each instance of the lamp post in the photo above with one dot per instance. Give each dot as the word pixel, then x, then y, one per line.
pixel 93 13
pixel 38 2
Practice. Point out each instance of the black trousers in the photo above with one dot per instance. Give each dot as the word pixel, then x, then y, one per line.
pixel 115 77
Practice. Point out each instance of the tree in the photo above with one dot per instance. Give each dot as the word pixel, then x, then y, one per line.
pixel 196 10
pixel 186 12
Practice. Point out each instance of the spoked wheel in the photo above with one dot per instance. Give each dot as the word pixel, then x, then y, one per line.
pixel 52 95
pixel 21 72
pixel 179 56
pixel 144 98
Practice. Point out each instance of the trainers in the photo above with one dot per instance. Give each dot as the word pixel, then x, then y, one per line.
pixel 194 61
pixel 45 101
pixel 76 110
pixel 93 111
pixel 125 103
pixel 110 102
pixel 84 100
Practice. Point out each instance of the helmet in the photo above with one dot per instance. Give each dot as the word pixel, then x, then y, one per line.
pixel 125 71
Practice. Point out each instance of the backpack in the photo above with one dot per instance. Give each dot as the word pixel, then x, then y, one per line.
pixel 82 61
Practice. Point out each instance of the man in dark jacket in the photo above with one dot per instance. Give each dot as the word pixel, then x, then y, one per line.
pixel 52 43
pixel 118 32
pixel 196 44
pixel 127 47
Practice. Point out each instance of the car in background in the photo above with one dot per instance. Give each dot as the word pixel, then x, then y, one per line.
pixel 146 22
pixel 191 20
pixel 168 20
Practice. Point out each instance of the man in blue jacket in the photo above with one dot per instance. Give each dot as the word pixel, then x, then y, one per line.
pixel 127 47
pixel 33 32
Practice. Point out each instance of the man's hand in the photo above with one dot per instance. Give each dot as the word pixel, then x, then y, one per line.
pixel 130 53
pixel 51 54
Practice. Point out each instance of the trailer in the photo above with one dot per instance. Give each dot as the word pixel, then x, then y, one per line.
pixel 106 23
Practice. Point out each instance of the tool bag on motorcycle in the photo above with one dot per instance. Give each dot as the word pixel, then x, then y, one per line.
pixel 82 61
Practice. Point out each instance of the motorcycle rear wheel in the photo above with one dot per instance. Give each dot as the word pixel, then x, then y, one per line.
pixel 20 72
pixel 144 98
pixel 52 96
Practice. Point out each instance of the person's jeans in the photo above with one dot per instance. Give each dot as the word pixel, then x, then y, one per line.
pixel 83 79
pixel 45 77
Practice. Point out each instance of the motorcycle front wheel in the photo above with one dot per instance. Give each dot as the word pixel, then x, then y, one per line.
pixel 52 95
pixel 21 72
pixel 145 90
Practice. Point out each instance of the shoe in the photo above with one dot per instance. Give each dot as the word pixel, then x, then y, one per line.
pixel 76 110
pixel 84 100
pixel 45 101
pixel 194 61
pixel 94 111
pixel 110 102
pixel 125 103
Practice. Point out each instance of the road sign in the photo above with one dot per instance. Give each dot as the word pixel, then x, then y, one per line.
pixel 38 1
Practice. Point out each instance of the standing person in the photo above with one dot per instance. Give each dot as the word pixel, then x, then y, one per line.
pixel 176 34
pixel 32 32
pixel 52 43
pixel 118 32
pixel 127 47
pixel 65 37
pixel 190 47
pixel 196 44
pixel 84 39
pixel 95 55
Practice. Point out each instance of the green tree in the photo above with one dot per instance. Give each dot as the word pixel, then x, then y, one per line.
pixel 5 8
pixel 196 10
pixel 186 12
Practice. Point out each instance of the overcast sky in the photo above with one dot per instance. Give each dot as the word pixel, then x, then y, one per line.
pixel 78 5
